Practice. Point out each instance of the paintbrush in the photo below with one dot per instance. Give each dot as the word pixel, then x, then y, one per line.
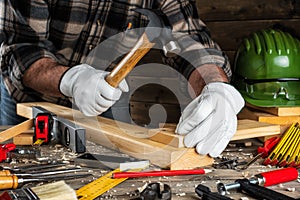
pixel 50 191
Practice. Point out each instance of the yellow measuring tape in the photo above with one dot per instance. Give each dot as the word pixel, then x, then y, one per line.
pixel 99 186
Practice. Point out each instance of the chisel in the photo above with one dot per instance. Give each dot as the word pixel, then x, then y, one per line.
pixel 13 181
pixel 8 173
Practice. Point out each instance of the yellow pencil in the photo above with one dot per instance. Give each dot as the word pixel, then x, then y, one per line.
pixel 273 155
pixel 288 155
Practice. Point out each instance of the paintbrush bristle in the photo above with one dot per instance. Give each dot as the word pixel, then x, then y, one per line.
pixel 54 191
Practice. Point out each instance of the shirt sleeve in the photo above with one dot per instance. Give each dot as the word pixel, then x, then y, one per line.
pixel 24 37
pixel 194 38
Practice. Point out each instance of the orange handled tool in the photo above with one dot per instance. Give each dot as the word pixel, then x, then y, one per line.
pixel 9 182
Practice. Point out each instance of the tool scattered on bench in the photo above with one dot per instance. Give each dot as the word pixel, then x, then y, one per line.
pixel 49 128
pixel 56 190
pixel 264 151
pixel 4 149
pixel 11 180
pixel 110 162
pixel 286 153
pixel 118 175
pixel 40 174
pixel 264 179
pixel 29 168
pixel 206 194
pixel 153 192
pixel 228 163
pixel 259 192
pixel 99 186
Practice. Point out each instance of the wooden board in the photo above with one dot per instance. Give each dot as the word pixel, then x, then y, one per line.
pixel 25 138
pixel 248 113
pixel 278 111
pixel 15 130
pixel 246 129
pixel 125 137
pixel 252 129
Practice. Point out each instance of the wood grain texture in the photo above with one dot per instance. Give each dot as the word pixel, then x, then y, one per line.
pixel 249 113
pixel 246 129
pixel 124 137
pixel 126 65
pixel 16 130
pixel 25 138
pixel 278 111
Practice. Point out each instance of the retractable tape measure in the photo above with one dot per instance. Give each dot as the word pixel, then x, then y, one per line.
pixel 99 186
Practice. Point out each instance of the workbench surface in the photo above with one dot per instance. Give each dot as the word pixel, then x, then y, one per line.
pixel 182 187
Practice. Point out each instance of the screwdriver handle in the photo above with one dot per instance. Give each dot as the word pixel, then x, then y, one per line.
pixel 8 182
pixel 268 146
pixel 279 176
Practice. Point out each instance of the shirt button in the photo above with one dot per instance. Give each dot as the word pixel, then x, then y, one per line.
pixel 91 47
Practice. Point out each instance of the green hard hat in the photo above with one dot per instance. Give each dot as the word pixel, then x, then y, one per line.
pixel 267 69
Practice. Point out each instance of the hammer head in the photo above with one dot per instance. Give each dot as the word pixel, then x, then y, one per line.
pixel 162 33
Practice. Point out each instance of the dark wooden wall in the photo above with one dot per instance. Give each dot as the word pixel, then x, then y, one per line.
pixel 229 21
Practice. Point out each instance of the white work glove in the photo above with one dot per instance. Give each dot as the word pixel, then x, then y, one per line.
pixel 210 121
pixel 89 90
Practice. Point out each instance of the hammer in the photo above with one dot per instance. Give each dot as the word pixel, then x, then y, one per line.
pixel 143 46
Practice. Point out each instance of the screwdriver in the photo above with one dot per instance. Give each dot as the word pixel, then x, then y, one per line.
pixel 263 151
pixel 264 179
pixel 34 167
pixel 13 181
pixel 8 173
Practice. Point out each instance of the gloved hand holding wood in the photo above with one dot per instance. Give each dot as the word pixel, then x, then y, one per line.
pixel 89 90
pixel 210 121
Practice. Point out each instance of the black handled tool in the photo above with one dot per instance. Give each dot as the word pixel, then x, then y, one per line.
pixel 206 194
pixel 260 192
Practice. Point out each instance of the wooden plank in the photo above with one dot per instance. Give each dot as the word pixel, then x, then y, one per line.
pixel 124 137
pixel 278 111
pixel 248 113
pixel 166 136
pixel 15 130
pixel 212 10
pixel 246 129
pixel 25 138
pixel 253 129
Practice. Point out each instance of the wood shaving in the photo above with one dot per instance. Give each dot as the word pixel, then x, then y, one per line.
pixel 291 189
pixel 244 198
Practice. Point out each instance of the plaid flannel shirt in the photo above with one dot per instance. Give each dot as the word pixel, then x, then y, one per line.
pixel 67 30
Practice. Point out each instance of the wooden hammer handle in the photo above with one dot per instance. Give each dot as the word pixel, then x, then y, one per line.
pixel 129 61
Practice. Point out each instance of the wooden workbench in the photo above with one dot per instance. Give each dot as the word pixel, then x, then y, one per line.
pixel 182 186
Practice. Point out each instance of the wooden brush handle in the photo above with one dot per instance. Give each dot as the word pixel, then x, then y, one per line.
pixel 8 182
pixel 129 61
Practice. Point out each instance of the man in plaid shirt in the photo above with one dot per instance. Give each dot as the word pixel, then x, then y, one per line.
pixel 44 44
